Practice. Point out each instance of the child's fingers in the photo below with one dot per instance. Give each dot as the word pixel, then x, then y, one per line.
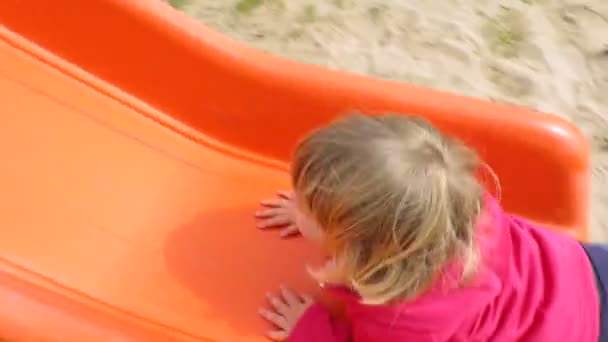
pixel 278 335
pixel 290 230
pixel 266 213
pixel 285 194
pixel 273 318
pixel 307 299
pixel 290 297
pixel 278 304
pixel 275 202
pixel 276 221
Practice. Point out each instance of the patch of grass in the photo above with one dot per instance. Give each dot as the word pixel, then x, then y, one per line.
pixel 375 13
pixel 179 4
pixel 506 43
pixel 310 14
pixel 505 33
pixel 277 6
pixel 340 3
pixel 247 6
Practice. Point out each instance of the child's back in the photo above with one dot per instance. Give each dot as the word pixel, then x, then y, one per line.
pixel 421 253
pixel 533 285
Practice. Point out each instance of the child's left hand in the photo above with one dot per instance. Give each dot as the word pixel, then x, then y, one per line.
pixel 285 312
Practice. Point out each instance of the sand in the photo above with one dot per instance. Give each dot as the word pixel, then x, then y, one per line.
pixel 550 55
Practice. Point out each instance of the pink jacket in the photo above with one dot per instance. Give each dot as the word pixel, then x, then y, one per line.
pixel 533 285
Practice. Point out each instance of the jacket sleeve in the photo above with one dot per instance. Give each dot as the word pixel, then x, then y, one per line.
pixel 318 325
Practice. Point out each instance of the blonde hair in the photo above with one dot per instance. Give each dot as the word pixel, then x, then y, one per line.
pixel 396 200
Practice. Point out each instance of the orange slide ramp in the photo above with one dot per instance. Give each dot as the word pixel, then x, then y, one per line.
pixel 136 144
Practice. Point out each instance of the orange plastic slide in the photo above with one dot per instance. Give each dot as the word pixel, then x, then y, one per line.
pixel 136 143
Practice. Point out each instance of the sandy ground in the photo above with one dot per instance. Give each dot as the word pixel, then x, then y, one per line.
pixel 550 55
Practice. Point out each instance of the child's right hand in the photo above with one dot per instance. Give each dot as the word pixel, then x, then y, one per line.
pixel 279 212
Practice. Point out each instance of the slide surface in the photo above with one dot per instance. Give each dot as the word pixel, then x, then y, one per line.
pixel 136 144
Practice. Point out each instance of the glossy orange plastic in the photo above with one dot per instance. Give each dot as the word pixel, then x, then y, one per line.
pixel 136 144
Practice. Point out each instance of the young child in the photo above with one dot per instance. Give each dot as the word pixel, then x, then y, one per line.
pixel 417 250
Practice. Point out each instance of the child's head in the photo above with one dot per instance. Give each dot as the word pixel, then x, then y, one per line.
pixel 396 202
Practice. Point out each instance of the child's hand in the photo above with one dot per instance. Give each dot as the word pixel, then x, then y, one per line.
pixel 285 312
pixel 279 212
